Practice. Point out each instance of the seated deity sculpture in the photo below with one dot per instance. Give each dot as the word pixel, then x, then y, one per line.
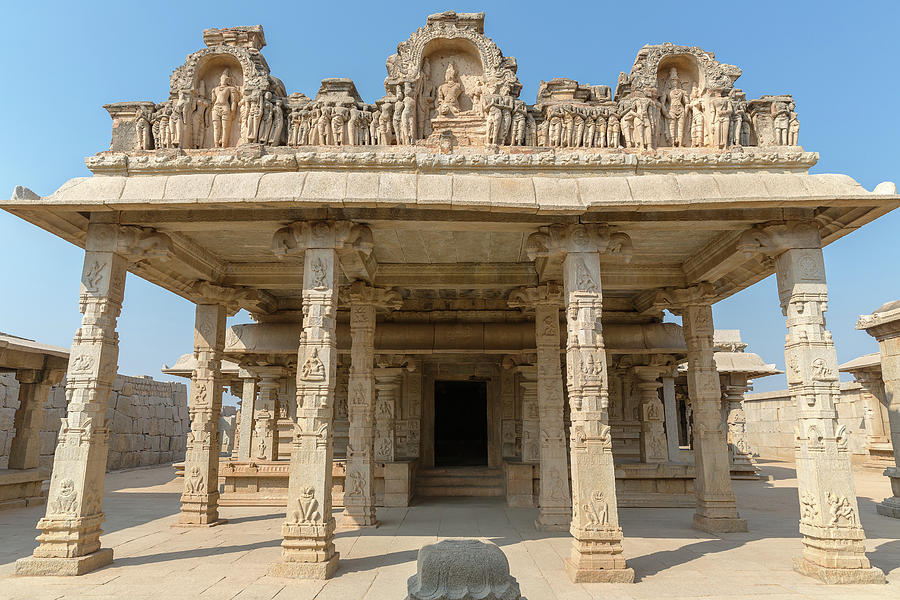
pixel 449 93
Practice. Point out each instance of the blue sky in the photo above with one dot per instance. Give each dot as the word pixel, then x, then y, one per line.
pixel 64 60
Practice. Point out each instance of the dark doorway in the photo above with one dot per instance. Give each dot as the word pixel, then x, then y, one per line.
pixel 460 423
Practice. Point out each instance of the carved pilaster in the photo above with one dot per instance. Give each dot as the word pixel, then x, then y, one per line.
pixel 69 543
pixel 716 505
pixel 264 436
pixel 248 409
pixel 531 424
pixel 387 388
pixel 733 388
pixel 200 498
pixel 34 388
pixel 555 501
pixel 833 539
pixel 884 326
pixel 359 487
pixel 308 547
pixel 653 436
pixel 597 545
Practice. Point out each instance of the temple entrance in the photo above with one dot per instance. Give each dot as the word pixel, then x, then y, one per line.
pixel 460 423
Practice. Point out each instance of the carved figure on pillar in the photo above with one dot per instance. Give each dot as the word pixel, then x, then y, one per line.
pixel 359 493
pixel 597 545
pixel 555 501
pixel 833 549
pixel 308 547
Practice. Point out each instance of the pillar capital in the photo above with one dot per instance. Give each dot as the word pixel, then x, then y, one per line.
pixel 676 300
pixel 352 242
pixel 232 298
pixel 772 239
pixel 133 243
pixel 529 298
pixel 555 241
pixel 360 293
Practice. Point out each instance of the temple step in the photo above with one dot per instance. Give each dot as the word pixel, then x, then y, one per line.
pixel 460 481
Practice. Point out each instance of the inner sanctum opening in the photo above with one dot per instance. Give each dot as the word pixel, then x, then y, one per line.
pixel 460 423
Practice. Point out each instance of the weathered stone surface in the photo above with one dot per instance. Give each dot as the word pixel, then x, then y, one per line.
pixel 456 569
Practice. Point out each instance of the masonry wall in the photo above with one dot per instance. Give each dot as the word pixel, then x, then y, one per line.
pixel 771 419
pixel 148 421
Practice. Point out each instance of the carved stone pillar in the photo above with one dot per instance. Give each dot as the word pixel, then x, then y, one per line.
pixel 876 417
pixel 742 465
pixel 359 487
pixel 308 548
pixel 671 410
pixel 34 388
pixel 248 408
pixel 69 542
pixel 200 499
pixel 555 501
pixel 653 435
pixel 884 325
pixel 597 547
pixel 833 539
pixel 387 389
pixel 264 444
pixel 531 424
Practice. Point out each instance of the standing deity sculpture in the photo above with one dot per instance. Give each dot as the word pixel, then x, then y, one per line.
pixel 568 125
pixel 781 116
pixel 425 98
pixel 530 128
pixel 577 127
pixel 199 116
pixel 277 123
pixel 374 119
pixel 739 124
pixel 294 121
pixel 697 118
pixel 641 122
pixel 494 121
pixel 177 122
pixel 478 97
pixel 600 128
pixel 408 117
pixel 506 107
pixel 721 114
pixel 449 92
pixel 265 125
pixel 255 116
pixel 385 118
pixel 397 118
pixel 674 107
pixel 793 126
pixel 143 129
pixel 165 134
pixel 354 127
pixel 224 99
pixel 518 123
pixel 613 132
pixel 338 118
pixel 323 127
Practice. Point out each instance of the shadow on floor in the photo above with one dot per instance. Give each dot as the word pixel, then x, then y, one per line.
pixel 195 553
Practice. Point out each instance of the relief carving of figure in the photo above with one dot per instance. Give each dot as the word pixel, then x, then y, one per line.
pixel 355 484
pixel 721 117
pixel 840 509
pixel 397 118
pixel 697 118
pixel 313 369
pixel 478 98
pixel 277 123
pixel 449 93
pixel 199 116
pixel 613 132
pixel 494 122
pixel 408 117
pixel 384 124
pixel 781 115
pixel 518 123
pixel 195 481
pixel 793 126
pixel 308 507
pixel 338 117
pixel 66 501
pixel 597 511
pixel 674 106
pixel 143 128
pixel 224 99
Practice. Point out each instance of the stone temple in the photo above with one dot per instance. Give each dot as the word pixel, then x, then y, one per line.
pixel 449 278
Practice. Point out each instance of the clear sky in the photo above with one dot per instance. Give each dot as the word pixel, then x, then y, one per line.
pixel 63 60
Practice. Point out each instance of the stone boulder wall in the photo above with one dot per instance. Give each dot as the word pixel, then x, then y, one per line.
pixel 148 421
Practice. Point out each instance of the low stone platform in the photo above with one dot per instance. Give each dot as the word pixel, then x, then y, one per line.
pixel 21 488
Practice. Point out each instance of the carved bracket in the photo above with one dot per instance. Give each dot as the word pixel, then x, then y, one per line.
pixel 526 298
pixel 773 239
pixel 353 243
pixel 675 299
pixel 234 298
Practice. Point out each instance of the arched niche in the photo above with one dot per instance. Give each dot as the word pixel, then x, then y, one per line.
pixel 207 75
pixel 689 73
pixel 466 59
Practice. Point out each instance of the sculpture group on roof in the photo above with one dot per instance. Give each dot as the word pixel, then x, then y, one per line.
pixel 449 83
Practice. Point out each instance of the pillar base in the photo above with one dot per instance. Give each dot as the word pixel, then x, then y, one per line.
pixel 837 576
pixel 720 524
pixel 358 522
pixel 586 575
pixel 889 507
pixel 305 570
pixel 554 521
pixel 79 565
pixel 192 525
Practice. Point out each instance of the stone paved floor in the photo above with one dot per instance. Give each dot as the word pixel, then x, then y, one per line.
pixel 671 560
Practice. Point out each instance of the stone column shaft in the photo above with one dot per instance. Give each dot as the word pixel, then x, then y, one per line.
pixel 25 449
pixel 597 547
pixel 833 539
pixel 69 543
pixel 742 465
pixel 308 548
pixel 528 387
pixel 671 410
pixel 359 484
pixel 248 409
pixel 387 390
pixel 265 414
pixel 653 436
pixel 716 504
pixel 200 499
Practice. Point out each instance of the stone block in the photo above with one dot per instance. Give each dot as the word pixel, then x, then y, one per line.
pixel 453 569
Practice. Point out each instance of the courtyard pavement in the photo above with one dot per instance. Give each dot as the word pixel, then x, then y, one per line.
pixel 671 560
